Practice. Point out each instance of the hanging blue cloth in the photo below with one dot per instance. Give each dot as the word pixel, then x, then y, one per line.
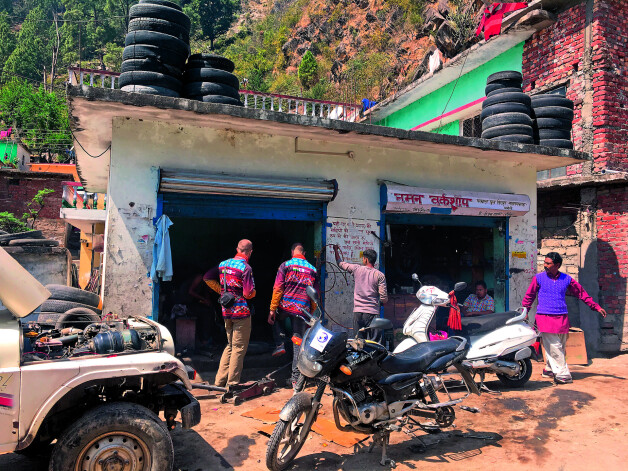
pixel 162 257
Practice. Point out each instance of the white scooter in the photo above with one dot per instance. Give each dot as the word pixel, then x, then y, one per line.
pixel 500 342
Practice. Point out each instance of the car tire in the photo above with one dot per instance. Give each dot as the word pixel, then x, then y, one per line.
pixel 553 123
pixel 153 38
pixel 160 26
pixel 512 97
pixel 539 101
pixel 61 306
pixel 147 10
pixel 133 432
pixel 34 243
pixel 506 118
pixel 561 143
pixel 512 75
pixel 520 138
pixel 151 79
pixel 504 90
pixel 554 112
pixel 68 293
pixel 507 129
pixel 151 90
pixel 498 85
pixel 211 75
pixel 210 60
pixel 165 3
pixel 78 317
pixel 223 100
pixel 555 134
pixel 150 65
pixel 504 108
pixel 209 88
pixel 147 51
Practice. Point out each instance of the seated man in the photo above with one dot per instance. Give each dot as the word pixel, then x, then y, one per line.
pixel 479 303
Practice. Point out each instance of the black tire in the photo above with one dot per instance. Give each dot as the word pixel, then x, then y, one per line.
pixel 153 38
pixel 513 97
pixel 504 90
pixel 150 65
pixel 196 61
pixel 151 79
pixel 539 101
pixel 504 108
pixel 223 100
pixel 165 3
pixel 114 432
pixel 67 293
pixel 555 134
pixel 505 75
pixel 21 235
pixel 34 242
pixel 507 129
pixel 211 75
pixel 278 456
pixel 506 118
pixel 78 317
pixel 61 306
pixel 520 138
pixel 561 143
pixel 160 54
pixel 554 112
pixel 146 10
pixel 151 90
pixel 553 123
pixel 499 84
pixel 160 26
pixel 209 88
pixel 521 379
pixel 48 318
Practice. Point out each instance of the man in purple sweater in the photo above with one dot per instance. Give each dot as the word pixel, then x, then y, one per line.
pixel 370 290
pixel 551 313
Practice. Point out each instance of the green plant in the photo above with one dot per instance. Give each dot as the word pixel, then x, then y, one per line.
pixel 308 70
pixel 35 206
pixel 9 223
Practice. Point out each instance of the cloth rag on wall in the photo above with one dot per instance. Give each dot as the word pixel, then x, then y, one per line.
pixel 491 22
pixel 162 256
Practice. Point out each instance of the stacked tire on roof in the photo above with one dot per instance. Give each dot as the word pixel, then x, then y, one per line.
pixel 69 307
pixel 156 48
pixel 209 78
pixel 507 111
pixel 553 115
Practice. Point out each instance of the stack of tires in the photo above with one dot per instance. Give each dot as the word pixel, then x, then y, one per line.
pixel 506 112
pixel 156 48
pixel 209 78
pixel 69 307
pixel 553 116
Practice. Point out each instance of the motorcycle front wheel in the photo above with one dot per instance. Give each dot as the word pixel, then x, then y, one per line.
pixel 522 378
pixel 289 436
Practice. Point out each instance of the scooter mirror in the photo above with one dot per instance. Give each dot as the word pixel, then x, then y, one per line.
pixel 379 323
pixel 311 292
pixel 460 286
pixel 415 277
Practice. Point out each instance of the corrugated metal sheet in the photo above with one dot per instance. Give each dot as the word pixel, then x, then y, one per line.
pixel 175 181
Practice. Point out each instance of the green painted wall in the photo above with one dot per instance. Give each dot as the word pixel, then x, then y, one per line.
pixel 451 129
pixel 8 152
pixel 470 87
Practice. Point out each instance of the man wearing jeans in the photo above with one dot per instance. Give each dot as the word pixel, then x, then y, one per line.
pixel 237 276
pixel 370 290
pixel 551 313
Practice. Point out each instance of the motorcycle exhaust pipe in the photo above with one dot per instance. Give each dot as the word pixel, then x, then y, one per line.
pixel 509 368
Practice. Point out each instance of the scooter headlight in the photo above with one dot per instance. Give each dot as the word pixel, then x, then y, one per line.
pixel 431 299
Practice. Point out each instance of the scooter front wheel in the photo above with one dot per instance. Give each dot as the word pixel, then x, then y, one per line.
pixel 520 379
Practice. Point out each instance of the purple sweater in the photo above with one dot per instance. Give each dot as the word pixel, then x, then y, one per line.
pixel 370 287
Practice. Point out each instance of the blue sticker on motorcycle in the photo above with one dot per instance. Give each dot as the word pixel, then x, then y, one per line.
pixel 320 340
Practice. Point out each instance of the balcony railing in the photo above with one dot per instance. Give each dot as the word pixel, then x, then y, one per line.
pixel 74 196
pixel 250 99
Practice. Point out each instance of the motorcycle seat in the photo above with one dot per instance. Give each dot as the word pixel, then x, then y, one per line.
pixel 418 357
pixel 478 324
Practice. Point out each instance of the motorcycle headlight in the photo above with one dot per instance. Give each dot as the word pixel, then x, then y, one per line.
pixel 308 367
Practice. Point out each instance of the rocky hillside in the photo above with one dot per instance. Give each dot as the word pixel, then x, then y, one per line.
pixel 363 48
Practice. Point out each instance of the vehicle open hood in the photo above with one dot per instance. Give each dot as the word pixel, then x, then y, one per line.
pixel 20 292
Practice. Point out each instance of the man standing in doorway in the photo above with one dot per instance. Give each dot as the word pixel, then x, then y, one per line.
pixel 289 298
pixel 551 313
pixel 370 290
pixel 479 303
pixel 234 276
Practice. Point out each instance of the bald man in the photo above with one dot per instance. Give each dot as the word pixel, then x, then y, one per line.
pixel 236 274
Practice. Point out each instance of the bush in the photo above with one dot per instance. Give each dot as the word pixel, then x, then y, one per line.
pixel 308 70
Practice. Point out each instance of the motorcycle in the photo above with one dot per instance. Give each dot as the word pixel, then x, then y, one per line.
pixel 374 391
pixel 498 343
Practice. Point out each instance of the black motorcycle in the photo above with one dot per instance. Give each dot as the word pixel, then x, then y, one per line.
pixel 375 392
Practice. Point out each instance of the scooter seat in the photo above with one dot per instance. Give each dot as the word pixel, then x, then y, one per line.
pixel 419 357
pixel 478 324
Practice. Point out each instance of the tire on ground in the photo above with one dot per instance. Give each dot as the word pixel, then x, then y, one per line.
pixel 78 317
pixel 160 26
pixel 151 90
pixel 506 130
pixel 553 123
pixel 555 134
pixel 506 118
pixel 34 242
pixel 562 143
pixel 158 39
pixel 512 97
pixel 211 75
pixel 61 306
pixel 146 10
pixel 539 101
pixel 150 65
pixel 147 51
pixel 165 3
pixel 149 78
pixel 224 100
pixel 505 75
pixel 491 87
pixel 68 293
pixel 210 60
pixel 209 88
pixel 133 422
pixel 504 108
pixel 520 138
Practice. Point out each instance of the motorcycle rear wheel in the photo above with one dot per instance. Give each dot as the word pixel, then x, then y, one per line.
pixel 289 436
pixel 522 378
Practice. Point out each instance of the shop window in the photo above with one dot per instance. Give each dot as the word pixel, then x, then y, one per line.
pixel 472 127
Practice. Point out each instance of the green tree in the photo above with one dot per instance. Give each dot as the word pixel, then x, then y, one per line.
pixel 308 70
pixel 214 16
pixel 7 39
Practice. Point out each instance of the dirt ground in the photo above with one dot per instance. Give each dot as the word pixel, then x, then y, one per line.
pixel 570 427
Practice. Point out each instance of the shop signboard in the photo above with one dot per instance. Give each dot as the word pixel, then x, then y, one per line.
pixel 408 199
